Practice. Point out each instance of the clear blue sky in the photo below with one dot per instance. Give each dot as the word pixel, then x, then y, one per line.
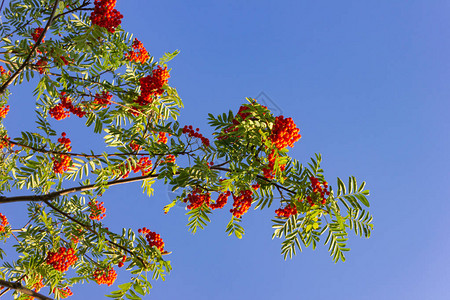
pixel 367 84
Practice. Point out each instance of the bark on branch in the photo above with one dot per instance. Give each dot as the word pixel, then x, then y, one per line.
pixel 83 188
pixel 21 289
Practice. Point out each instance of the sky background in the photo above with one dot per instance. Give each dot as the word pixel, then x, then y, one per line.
pixel 367 84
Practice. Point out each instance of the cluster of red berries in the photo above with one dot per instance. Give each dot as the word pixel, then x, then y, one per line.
pixel 288 211
pixel 243 115
pixel 62 162
pixel 221 200
pixel 170 159
pixel 105 276
pixel 284 133
pixel 124 259
pixel 268 171
pixel 36 287
pixel 4 142
pixel 144 165
pixel 195 133
pixel 141 55
pixel 105 15
pixel 65 142
pixel 4 111
pixel 242 203
pixel 153 238
pixel 63 109
pixel 256 186
pixel 4 222
pixel 64 293
pixel 151 85
pixel 319 192
pixel 42 65
pixel 162 138
pixel 4 72
pixel 103 99
pixel 134 146
pixel 97 210
pixel 65 61
pixel 197 198
pixel 61 260
pixel 37 33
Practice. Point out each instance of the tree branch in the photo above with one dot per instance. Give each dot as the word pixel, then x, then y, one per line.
pixel 39 41
pixel 83 188
pixel 21 289
pixel 68 216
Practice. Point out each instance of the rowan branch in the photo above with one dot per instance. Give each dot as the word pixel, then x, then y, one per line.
pixel 88 227
pixel 38 42
pixel 82 188
pixel 21 289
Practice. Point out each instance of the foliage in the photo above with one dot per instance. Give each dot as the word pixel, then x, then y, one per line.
pixel 106 77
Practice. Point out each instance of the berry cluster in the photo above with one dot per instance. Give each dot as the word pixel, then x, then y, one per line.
pixel 144 165
pixel 4 222
pixel 4 72
pixel 65 142
pixel 42 65
pixel 319 192
pixel 170 159
pixel 162 138
pixel 4 142
pixel 284 133
pixel 221 200
pixel 63 109
pixel 134 146
pixel 124 259
pixel 286 212
pixel 36 287
pixel 256 186
pixel 97 210
pixel 141 55
pixel 65 61
pixel 105 276
pixel 153 238
pixel 103 99
pixel 243 115
pixel 61 260
pixel 4 111
pixel 37 33
pixel 241 203
pixel 105 15
pixel 62 162
pixel 197 198
pixel 151 85
pixel 64 293
pixel 268 172
pixel 195 133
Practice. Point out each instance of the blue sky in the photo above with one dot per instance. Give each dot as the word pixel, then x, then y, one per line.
pixel 366 83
